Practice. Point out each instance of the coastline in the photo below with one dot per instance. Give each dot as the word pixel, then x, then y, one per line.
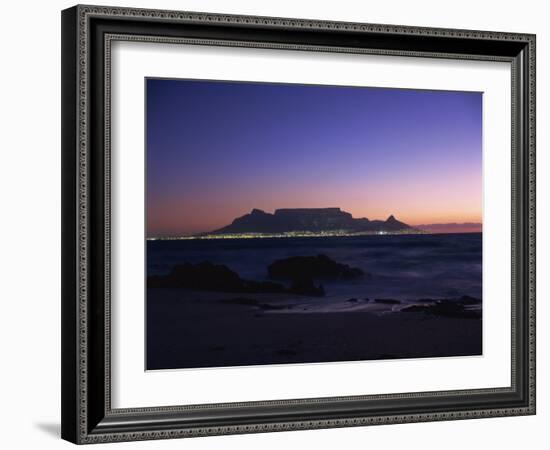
pixel 298 234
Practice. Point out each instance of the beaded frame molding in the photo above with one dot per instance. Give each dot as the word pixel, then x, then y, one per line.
pixel 87 35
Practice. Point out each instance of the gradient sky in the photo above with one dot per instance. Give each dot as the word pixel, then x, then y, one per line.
pixel 216 150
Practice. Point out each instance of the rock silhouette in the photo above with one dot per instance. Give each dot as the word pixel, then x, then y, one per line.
pixel 448 308
pixel 319 267
pixel 206 276
pixel 305 286
pixel 211 277
pixel 387 301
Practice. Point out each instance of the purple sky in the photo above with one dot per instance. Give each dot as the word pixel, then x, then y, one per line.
pixel 215 150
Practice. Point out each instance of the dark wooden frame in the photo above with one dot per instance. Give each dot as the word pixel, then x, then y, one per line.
pixel 87 32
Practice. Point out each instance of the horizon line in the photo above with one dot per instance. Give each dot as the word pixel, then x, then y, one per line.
pixel 339 208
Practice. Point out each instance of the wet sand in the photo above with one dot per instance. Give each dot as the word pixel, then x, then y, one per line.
pixel 204 329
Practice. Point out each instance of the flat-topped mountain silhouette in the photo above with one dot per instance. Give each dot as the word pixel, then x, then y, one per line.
pixel 309 220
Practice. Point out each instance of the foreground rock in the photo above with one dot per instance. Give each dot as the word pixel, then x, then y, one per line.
pixel 211 277
pixel 319 267
pixel 305 286
pixel 387 301
pixel 206 276
pixel 448 308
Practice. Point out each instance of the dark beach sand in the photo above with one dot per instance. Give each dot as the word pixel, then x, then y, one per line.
pixel 197 329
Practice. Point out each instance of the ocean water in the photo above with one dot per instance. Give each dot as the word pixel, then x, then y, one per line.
pixel 407 268
pixel 194 329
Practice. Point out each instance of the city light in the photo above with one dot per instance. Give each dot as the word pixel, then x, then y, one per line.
pixel 288 234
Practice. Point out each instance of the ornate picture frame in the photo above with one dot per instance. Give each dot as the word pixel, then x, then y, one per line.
pixel 88 33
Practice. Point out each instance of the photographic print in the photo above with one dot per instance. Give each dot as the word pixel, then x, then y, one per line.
pixel 292 223
pixel 347 208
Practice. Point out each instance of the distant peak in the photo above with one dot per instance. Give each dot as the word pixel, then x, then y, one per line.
pixel 391 219
pixel 257 211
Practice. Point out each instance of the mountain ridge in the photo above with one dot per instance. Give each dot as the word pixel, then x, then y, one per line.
pixel 285 220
